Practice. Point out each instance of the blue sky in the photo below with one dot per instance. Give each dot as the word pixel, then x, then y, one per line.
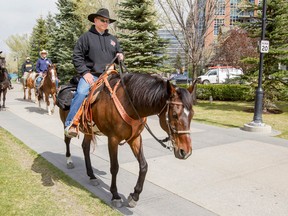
pixel 19 17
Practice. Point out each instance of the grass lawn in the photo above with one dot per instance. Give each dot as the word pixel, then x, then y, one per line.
pixel 30 185
pixel 233 114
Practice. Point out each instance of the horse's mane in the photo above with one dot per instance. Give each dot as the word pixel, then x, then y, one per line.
pixel 147 90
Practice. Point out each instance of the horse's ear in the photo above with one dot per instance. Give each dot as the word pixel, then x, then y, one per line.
pixel 170 88
pixel 192 87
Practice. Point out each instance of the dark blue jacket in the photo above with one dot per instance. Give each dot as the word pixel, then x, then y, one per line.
pixel 42 65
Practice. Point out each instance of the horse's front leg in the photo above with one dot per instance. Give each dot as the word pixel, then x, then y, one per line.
pixel 29 94
pixel 114 168
pixel 86 150
pixel 47 103
pixel 136 146
pixel 70 164
pixel 24 91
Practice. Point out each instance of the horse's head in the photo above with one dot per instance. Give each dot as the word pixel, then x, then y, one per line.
pixel 52 72
pixel 175 119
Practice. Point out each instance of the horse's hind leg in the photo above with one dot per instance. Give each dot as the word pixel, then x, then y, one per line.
pixel 136 146
pixel 29 94
pixel 70 164
pixel 54 103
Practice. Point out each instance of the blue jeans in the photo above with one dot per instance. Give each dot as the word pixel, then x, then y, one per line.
pixel 40 78
pixel 38 81
pixel 81 93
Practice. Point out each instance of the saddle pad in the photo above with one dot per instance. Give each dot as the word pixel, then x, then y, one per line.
pixel 65 95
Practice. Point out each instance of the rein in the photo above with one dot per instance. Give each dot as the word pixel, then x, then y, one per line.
pixel 170 147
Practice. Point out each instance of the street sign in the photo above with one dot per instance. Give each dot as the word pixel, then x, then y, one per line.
pixel 264 46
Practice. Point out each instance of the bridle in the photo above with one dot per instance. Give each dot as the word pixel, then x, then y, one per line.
pixel 171 130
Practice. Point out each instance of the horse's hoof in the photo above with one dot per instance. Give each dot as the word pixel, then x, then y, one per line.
pixel 117 203
pixel 131 203
pixel 70 165
pixel 94 182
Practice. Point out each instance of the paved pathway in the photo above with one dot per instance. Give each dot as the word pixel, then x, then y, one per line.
pixel 231 172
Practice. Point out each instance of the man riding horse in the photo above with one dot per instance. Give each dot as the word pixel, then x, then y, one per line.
pixel 94 50
pixel 27 67
pixel 41 68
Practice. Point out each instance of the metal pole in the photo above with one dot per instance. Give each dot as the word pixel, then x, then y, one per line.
pixel 257 119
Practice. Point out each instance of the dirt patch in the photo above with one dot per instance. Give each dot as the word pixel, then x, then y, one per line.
pixel 266 111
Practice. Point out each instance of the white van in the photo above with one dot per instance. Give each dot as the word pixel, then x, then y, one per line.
pixel 219 75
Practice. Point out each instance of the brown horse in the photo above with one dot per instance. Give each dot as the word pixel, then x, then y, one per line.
pixel 30 84
pixel 48 87
pixel 150 95
pixel 4 84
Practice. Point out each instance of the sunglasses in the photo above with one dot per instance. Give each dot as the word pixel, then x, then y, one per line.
pixel 104 21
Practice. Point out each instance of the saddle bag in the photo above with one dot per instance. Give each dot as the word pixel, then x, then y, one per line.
pixel 65 95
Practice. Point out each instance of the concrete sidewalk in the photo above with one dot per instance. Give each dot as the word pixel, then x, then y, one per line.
pixel 231 172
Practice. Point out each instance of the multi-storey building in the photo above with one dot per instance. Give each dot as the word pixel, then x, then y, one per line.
pixel 174 47
pixel 227 14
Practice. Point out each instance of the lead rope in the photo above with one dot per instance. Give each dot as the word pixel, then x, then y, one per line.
pixel 121 63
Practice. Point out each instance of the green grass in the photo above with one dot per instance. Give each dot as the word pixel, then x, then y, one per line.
pixel 234 114
pixel 30 185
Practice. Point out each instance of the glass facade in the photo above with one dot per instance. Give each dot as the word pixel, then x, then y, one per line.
pixel 240 11
pixel 174 46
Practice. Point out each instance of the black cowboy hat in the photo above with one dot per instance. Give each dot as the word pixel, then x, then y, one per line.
pixel 102 12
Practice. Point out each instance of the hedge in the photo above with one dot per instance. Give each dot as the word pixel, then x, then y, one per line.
pixel 225 92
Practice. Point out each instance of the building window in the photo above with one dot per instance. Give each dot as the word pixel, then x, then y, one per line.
pixel 217 24
pixel 220 7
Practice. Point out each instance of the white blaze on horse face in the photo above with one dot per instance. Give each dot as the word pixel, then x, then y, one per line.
pixel 53 75
pixel 186 112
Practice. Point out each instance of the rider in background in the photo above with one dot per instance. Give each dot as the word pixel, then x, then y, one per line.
pixel 93 51
pixel 4 70
pixel 42 67
pixel 27 67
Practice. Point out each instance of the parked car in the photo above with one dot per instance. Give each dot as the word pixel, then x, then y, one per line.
pixel 219 74
pixel 180 79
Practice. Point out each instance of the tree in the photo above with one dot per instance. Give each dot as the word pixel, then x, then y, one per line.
pixel 178 62
pixel 51 27
pixel 39 38
pixel 142 46
pixel 191 20
pixel 274 82
pixel 20 49
pixel 233 47
pixel 64 37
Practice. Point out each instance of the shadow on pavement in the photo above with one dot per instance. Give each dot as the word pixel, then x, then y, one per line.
pixel 50 174
pixel 36 110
